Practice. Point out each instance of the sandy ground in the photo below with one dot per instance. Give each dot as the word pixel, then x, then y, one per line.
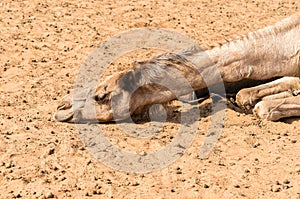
pixel 42 45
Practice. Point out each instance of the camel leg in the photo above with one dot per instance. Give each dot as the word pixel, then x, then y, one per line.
pixel 278 89
pixel 275 109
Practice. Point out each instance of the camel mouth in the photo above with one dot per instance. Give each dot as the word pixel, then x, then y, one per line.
pixel 81 110
pixel 63 115
pixel 68 108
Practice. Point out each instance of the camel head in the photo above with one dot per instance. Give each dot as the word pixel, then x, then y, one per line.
pixel 120 95
pixel 115 98
pixel 103 104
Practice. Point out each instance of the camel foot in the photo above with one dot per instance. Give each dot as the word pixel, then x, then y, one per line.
pixel 275 109
pixel 277 89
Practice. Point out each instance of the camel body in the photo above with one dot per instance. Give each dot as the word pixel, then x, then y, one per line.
pixel 268 53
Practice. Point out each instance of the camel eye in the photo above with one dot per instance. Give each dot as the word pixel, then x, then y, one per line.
pixel 101 97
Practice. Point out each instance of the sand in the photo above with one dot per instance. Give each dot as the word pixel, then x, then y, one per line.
pixel 42 46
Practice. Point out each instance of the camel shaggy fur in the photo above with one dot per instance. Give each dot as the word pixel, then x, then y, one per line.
pixel 265 54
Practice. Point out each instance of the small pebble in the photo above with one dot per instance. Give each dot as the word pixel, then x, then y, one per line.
pixel 285 187
pixel 276 189
pixel 206 186
pixel 50 195
pixel 277 183
pixel 135 184
pixel 97 192
pixel 10 166
pixel 18 196
pixel 247 171
pixel 51 151
pixel 178 172
pixel 286 133
pixel 256 145
pixel 286 181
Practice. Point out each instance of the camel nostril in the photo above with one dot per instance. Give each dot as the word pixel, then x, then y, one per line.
pixel 63 106
pixel 60 107
pixel 65 103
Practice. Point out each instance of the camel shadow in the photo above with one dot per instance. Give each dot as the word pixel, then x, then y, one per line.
pixel 177 112
pixel 290 120
pixel 204 109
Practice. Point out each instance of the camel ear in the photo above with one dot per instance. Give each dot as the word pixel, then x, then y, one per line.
pixel 138 63
pixel 130 80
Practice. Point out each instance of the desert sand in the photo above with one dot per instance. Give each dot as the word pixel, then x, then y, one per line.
pixel 42 46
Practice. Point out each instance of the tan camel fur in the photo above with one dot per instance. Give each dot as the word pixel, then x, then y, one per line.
pixel 271 52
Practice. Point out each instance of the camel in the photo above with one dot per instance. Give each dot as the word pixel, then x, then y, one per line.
pixel 271 55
